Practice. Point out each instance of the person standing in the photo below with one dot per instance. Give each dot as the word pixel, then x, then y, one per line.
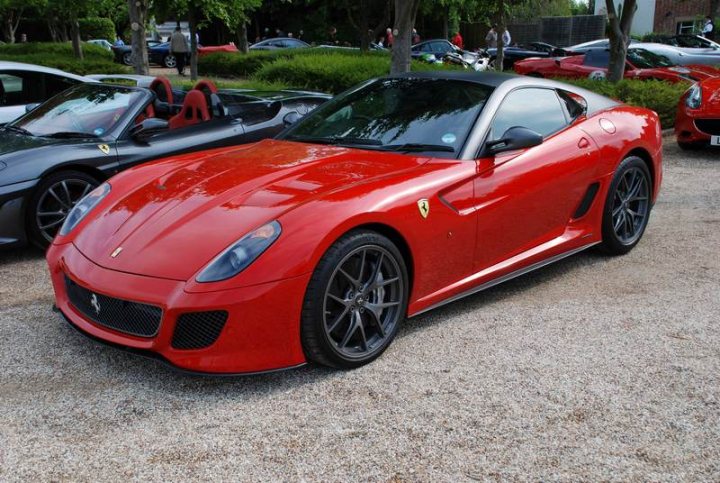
pixel 179 49
pixel 708 30
pixel 457 40
pixel 389 38
pixel 415 37
pixel 506 38
pixel 491 38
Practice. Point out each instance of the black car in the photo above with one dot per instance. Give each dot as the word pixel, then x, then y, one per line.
pixel 58 152
pixel 123 53
pixel 519 52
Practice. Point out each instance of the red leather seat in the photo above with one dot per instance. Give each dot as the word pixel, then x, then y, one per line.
pixel 207 86
pixel 194 110
pixel 162 88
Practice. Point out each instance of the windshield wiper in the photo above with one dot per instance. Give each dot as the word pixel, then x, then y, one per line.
pixel 71 135
pixel 18 129
pixel 418 147
pixel 337 140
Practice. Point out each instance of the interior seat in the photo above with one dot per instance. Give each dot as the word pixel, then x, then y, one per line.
pixel 194 110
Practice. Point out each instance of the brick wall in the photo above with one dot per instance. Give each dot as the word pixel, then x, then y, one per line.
pixel 669 12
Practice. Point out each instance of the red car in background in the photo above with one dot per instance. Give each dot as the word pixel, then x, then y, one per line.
pixel 641 64
pixel 698 115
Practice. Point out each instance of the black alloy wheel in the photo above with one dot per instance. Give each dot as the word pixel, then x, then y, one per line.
pixel 355 301
pixel 52 201
pixel 627 208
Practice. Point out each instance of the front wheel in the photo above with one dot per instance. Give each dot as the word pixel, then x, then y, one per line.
pixel 627 207
pixel 53 199
pixel 355 301
pixel 170 61
pixel 127 58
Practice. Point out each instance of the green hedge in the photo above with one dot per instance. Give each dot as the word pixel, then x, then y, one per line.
pixel 662 97
pixel 97 28
pixel 60 56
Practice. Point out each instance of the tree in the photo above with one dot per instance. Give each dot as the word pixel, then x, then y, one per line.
pixel 138 13
pixel 11 12
pixel 358 13
pixel 619 35
pixel 405 12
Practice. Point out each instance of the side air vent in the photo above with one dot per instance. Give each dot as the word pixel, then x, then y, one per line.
pixel 198 330
pixel 587 200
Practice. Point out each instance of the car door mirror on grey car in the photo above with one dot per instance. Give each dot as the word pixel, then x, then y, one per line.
pixel 148 128
pixel 516 137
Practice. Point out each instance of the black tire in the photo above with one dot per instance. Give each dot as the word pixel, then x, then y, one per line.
pixel 375 313
pixel 169 61
pixel 127 58
pixel 69 187
pixel 626 211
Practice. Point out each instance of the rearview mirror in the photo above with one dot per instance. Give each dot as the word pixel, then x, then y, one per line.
pixel 148 128
pixel 516 137
pixel 291 118
pixel 30 107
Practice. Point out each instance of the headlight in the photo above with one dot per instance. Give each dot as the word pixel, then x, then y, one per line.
pixel 694 97
pixel 238 256
pixel 83 207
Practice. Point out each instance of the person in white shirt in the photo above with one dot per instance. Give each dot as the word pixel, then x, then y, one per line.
pixel 506 38
pixel 708 30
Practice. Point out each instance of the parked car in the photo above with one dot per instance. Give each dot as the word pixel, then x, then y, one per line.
pixel 512 54
pixel 440 48
pixel 591 45
pixel 682 56
pixel 23 84
pixel 404 194
pixel 104 43
pixel 698 115
pixel 60 151
pixel 123 53
pixel 124 79
pixel 687 41
pixel 641 64
pixel 161 55
pixel 280 43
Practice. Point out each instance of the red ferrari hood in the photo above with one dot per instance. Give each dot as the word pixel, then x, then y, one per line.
pixel 172 217
pixel 711 95
pixel 697 72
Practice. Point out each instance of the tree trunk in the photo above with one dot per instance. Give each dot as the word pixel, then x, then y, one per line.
pixel 193 46
pixel 405 11
pixel 242 39
pixel 138 16
pixel 500 54
pixel 619 36
pixel 10 25
pixel 76 43
pixel 364 26
pixel 446 22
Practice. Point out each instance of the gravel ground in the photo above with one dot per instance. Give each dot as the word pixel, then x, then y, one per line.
pixel 591 369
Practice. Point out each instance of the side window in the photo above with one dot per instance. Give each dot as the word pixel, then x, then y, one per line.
pixel 11 88
pixel 597 58
pixel 533 108
pixel 440 47
pixel 426 47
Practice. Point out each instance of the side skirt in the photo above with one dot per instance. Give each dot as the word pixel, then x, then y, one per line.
pixel 506 277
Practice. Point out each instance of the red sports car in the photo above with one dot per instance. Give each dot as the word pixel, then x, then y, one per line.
pixel 398 196
pixel 641 64
pixel 698 115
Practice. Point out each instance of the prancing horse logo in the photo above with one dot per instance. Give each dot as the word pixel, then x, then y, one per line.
pixel 95 304
pixel 424 207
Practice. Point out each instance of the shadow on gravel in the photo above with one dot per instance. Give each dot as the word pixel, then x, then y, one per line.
pixel 14 255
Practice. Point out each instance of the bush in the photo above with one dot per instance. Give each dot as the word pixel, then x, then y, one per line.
pixel 331 73
pixel 97 28
pixel 660 96
pixel 60 56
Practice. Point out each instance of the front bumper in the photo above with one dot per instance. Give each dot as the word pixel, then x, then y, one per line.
pixel 262 332
pixel 688 130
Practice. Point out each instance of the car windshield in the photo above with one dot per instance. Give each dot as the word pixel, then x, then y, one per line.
pixel 90 110
pixel 404 115
pixel 644 59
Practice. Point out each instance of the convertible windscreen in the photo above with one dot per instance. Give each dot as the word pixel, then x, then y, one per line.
pixel 87 110
pixel 419 115
pixel 644 59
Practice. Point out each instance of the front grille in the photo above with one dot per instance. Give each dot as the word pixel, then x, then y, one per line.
pixel 125 316
pixel 708 126
pixel 197 330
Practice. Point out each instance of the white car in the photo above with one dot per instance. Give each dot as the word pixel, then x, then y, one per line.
pixel 23 84
pixel 104 43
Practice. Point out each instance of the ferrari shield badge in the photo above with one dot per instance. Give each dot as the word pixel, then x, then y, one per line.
pixel 424 207
pixel 104 148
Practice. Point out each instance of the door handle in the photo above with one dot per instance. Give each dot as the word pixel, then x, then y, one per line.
pixel 583 143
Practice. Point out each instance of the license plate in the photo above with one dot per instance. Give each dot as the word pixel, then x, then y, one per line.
pixel 714 140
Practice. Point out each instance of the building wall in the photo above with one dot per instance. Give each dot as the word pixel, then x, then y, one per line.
pixel 644 18
pixel 668 13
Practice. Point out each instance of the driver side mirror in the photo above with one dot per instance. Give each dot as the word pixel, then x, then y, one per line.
pixel 516 137
pixel 30 107
pixel 149 127
pixel 291 118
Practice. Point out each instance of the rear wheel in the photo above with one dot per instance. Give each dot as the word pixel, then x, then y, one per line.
pixel 355 301
pixel 53 199
pixel 627 207
pixel 170 61
pixel 127 58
